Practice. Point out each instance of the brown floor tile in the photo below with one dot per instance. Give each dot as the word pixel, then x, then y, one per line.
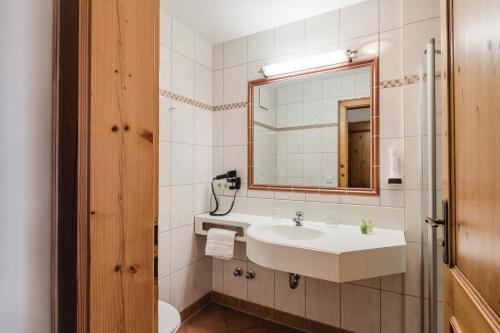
pixel 218 319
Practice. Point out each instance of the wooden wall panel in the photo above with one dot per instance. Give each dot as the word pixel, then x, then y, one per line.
pixel 123 164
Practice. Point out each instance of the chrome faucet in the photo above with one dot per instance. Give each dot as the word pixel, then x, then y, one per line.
pixel 299 219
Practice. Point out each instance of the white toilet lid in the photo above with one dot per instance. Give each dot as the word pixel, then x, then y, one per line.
pixel 169 319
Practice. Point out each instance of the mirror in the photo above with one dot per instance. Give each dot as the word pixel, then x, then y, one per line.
pixel 315 130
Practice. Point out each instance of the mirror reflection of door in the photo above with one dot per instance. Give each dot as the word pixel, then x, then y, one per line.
pixel 354 143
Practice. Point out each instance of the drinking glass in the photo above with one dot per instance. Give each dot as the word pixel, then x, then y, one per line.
pixel 331 220
pixel 276 215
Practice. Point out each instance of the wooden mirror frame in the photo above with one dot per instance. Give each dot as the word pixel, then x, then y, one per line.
pixel 374 123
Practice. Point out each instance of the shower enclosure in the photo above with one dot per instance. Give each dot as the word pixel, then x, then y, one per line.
pixel 432 206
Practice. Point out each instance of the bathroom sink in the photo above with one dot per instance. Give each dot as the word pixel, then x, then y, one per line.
pixel 291 232
pixel 338 254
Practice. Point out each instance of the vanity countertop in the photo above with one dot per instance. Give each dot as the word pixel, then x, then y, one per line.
pixel 343 253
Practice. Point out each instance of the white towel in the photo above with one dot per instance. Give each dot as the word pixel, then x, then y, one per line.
pixel 220 243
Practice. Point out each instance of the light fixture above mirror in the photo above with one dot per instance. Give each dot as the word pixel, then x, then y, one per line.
pixel 315 61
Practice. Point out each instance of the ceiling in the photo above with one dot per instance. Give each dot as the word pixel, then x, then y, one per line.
pixel 223 20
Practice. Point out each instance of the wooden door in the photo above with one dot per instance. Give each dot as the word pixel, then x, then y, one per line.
pixel 359 154
pixel 343 148
pixel 471 127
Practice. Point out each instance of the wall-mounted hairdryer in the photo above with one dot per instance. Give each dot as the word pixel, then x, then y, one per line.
pixel 232 179
pixel 234 184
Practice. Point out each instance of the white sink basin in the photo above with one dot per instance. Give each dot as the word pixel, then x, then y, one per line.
pixel 290 232
pixel 339 254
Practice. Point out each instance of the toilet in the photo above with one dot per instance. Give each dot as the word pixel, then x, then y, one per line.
pixel 169 319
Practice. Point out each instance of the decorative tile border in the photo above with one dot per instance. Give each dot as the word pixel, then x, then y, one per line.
pixel 408 79
pixel 294 128
pixel 184 99
pixel 224 107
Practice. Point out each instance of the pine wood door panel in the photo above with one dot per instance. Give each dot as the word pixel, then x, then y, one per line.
pixel 477 143
pixel 123 167
pixel 471 128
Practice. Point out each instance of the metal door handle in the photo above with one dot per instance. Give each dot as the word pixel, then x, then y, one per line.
pixel 444 222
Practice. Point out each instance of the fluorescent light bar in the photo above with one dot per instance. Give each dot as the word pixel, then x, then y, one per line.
pixel 314 61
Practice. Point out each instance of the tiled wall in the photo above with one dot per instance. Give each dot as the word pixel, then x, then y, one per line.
pixel 185 161
pixel 396 31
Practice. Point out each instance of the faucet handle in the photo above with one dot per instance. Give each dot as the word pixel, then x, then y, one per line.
pixel 299 214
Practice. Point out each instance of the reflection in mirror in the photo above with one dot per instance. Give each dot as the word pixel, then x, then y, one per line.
pixel 314 131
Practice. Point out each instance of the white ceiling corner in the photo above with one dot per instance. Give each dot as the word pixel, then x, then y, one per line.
pixel 223 20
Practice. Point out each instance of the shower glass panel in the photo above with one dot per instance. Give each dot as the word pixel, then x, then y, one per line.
pixel 432 190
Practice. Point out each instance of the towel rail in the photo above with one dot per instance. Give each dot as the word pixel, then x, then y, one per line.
pixel 239 230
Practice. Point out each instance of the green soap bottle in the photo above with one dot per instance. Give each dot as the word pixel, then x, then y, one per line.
pixel 363 227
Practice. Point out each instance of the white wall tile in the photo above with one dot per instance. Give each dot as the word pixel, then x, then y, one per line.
pixel 235 127
pixel 164 163
pixel 261 45
pixel 368 46
pixel 418 10
pixel 182 247
pixel 182 75
pixel 413 215
pixel 218 128
pixel 392 198
pixel 182 285
pixel 217 161
pixel 203 84
pixel 235 84
pixel 290 38
pixel 165 29
pixel 203 51
pixel 165 67
pixel 391 55
pixel 391 14
pixel 164 253
pixel 359 20
pixel 218 87
pixel 202 127
pixel 165 119
pixel 202 164
pixel 202 193
pixel 182 164
pixel 235 52
pixel 412 165
pixel 181 205
pixel 164 289
pixel 391 113
pixel 235 157
pixel 218 56
pixel 322 29
pixel 182 39
pixel 182 123
pixel 164 209
pixel 416 36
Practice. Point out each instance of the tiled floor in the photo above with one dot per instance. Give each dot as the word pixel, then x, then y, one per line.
pixel 218 319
